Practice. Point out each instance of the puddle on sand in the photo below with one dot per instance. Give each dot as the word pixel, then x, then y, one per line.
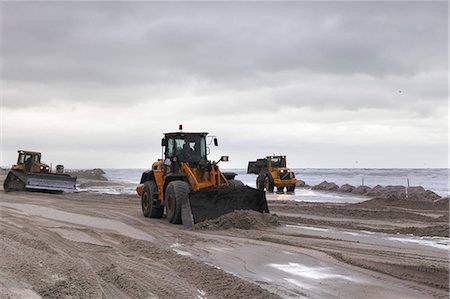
pixel 13 288
pixel 102 223
pixel 317 273
pixel 201 294
pixel 308 227
pixel 315 196
pixel 23 293
pixel 436 242
pixel 175 247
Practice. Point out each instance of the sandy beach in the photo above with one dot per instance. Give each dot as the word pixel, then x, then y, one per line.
pixel 93 245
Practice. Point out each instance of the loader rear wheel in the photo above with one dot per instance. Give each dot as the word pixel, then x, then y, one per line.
pixel 260 182
pixel 269 184
pixel 149 207
pixel 291 188
pixel 176 193
pixel 235 183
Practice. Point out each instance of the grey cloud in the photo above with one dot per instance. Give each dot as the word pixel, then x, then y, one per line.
pixel 116 43
pixel 299 76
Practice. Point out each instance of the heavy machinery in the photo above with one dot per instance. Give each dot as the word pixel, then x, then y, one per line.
pixel 32 175
pixel 272 172
pixel 190 187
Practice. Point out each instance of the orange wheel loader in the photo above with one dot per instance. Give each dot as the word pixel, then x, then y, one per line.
pixel 189 187
pixel 272 172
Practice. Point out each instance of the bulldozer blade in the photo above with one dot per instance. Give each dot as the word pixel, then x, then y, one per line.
pixel 212 202
pixel 47 181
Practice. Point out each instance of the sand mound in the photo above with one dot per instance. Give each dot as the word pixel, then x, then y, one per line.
pixel 242 219
pixel 326 186
pixel 90 174
pixel 379 203
pixel 399 192
pixel 346 188
pixel 417 193
pixel 301 184
pixel 361 190
pixel 432 231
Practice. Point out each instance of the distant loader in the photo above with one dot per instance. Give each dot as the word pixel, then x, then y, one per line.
pixel 272 172
pixel 31 174
pixel 190 187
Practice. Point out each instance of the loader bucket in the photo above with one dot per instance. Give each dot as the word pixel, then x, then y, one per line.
pixel 47 181
pixel 212 202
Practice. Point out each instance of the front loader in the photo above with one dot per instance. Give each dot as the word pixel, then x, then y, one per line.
pixel 30 174
pixel 272 172
pixel 191 188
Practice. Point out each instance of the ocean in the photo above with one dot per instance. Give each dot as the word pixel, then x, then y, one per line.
pixel 435 179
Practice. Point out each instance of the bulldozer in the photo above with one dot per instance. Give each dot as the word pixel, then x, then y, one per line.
pixel 30 174
pixel 191 188
pixel 272 172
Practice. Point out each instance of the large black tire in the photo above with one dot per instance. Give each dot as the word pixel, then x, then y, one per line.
pixel 260 182
pixel 176 193
pixel 149 207
pixel 235 183
pixel 291 189
pixel 269 184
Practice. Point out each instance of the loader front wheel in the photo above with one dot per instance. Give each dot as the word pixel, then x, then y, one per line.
pixel 176 193
pixel 149 207
pixel 269 184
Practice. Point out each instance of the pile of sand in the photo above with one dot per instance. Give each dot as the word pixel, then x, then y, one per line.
pixel 388 192
pixel 301 184
pixel 325 186
pixel 90 174
pixel 379 203
pixel 432 231
pixel 241 219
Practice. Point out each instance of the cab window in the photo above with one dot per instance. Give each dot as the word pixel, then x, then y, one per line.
pixel 277 161
pixel 179 143
pixel 24 158
pixel 170 148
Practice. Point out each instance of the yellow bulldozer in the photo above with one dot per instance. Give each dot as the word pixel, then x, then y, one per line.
pixel 272 172
pixel 30 174
pixel 191 188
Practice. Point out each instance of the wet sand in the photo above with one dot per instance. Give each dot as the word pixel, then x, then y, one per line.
pixel 97 245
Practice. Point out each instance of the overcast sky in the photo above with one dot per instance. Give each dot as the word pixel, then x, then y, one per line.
pixel 329 84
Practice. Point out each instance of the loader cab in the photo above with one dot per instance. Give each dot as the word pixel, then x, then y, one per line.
pixel 185 147
pixel 277 161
